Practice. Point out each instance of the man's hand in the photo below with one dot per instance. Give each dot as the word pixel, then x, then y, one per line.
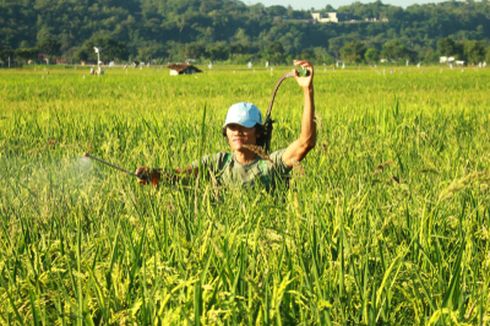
pixel 146 175
pixel 306 81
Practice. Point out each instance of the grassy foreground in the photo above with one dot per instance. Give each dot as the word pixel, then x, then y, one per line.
pixel 387 221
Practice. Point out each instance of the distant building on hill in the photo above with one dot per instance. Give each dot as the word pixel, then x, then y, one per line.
pixel 331 17
pixel 182 69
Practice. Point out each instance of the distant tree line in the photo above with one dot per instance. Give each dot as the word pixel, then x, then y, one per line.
pixel 160 31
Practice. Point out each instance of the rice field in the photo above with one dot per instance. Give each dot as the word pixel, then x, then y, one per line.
pixel 386 222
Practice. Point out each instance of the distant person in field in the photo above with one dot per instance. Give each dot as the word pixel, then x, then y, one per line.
pixel 246 164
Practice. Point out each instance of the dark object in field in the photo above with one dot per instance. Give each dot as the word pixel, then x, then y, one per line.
pixel 182 69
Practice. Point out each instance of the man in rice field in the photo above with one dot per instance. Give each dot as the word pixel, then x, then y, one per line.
pixel 247 164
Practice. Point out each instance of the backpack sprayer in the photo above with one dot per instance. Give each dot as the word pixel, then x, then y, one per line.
pixel 302 72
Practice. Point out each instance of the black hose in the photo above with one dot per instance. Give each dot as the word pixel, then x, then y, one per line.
pixel 268 116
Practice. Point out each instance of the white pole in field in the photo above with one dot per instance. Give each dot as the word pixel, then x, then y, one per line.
pixel 9 61
pixel 97 50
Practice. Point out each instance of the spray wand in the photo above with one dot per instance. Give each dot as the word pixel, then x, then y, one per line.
pixel 152 176
pixel 112 165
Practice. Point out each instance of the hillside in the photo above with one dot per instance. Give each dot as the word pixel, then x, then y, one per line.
pixel 229 30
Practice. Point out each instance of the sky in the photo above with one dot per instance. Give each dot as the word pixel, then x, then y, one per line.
pixel 320 4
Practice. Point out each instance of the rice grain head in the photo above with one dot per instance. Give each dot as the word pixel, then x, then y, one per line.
pixel 259 150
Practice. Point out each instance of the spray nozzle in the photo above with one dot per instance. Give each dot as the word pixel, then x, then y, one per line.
pixel 302 71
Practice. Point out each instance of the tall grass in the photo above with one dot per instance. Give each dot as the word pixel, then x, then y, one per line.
pixel 390 222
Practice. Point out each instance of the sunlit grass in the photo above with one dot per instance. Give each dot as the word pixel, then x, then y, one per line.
pixel 389 224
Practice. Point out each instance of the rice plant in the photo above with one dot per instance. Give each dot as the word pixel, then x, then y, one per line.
pixel 388 221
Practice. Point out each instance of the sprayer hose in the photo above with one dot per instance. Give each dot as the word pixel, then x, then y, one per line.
pixel 276 88
pixel 268 119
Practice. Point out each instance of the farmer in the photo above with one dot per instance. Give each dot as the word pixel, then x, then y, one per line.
pixel 247 164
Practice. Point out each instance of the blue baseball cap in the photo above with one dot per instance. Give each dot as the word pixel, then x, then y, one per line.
pixel 244 114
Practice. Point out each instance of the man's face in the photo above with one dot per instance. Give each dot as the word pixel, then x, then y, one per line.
pixel 238 136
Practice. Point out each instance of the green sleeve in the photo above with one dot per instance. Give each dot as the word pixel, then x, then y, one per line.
pixel 278 163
